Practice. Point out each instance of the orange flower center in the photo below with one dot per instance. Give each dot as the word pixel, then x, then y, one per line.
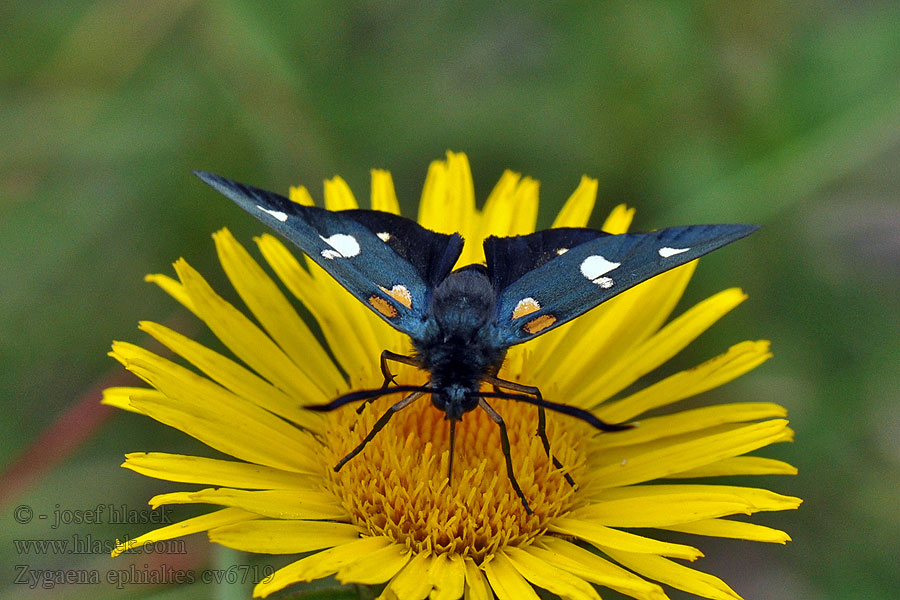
pixel 398 487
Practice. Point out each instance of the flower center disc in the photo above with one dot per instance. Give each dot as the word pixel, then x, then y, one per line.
pixel 397 486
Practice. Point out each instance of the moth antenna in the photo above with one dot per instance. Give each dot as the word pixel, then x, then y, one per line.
pixel 565 409
pixel 367 395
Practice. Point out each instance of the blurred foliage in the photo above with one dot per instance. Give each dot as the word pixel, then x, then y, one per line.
pixel 781 113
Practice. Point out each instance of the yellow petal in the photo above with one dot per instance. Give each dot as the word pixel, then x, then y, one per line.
pixel 506 581
pixel 267 536
pixel 609 334
pixel 733 529
pixel 277 316
pixel 434 193
pixel 651 307
pixel 384 198
pixel 413 581
pixel 498 208
pixel 332 291
pixel 678 576
pixel 525 208
pixel 552 349
pixel 231 433
pixel 754 499
pixel 551 578
pixel 213 471
pixel 662 346
pixel 739 465
pixel 206 522
pixel 233 376
pixel 619 220
pixel 345 328
pixel 378 334
pixel 662 510
pixel 606 538
pixel 173 288
pixel 717 371
pixel 447 574
pixel 578 208
pixel 319 565
pixel 629 465
pixel 247 341
pixel 477 585
pixel 375 567
pixel 300 195
pixel 120 397
pixel 459 209
pixel 278 504
pixel 338 195
pixel 644 309
pixel 214 415
pixel 697 419
pixel 510 209
pixel 593 568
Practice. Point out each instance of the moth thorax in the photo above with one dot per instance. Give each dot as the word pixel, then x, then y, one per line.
pixel 463 303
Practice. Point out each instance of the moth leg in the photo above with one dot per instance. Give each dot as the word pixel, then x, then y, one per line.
pixel 542 433
pixel 399 358
pixel 512 385
pixel 542 418
pixel 504 442
pixel 379 425
pixel 387 355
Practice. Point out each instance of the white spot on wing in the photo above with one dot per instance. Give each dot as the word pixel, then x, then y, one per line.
pixel 384 236
pixel 345 246
pixel 275 213
pixel 561 251
pixel 666 252
pixel 594 268
pixel 525 306
pixel 400 293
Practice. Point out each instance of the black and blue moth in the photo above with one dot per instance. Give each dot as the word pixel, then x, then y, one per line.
pixel 461 322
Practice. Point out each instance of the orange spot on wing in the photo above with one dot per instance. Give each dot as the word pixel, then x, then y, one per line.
pixel 383 306
pixel 539 324
pixel 400 294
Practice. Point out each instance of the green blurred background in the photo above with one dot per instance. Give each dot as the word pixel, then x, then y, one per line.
pixel 785 114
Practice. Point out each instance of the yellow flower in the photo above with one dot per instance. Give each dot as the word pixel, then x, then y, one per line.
pixel 390 516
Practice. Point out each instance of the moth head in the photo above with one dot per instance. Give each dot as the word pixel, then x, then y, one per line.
pixel 455 400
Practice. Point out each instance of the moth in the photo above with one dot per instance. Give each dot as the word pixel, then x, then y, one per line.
pixel 463 321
